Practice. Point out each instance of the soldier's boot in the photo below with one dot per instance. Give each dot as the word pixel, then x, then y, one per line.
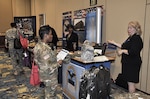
pixel 42 85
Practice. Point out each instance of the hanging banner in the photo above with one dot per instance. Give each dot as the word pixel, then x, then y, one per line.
pixel 67 16
pixel 88 24
pixel 67 19
pixel 82 13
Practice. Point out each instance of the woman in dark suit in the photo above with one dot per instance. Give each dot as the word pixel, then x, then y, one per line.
pixel 130 51
pixel 71 39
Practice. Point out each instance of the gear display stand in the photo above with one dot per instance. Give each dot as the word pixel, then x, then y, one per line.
pixel 72 73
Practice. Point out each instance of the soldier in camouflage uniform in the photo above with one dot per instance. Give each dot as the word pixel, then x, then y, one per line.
pixel 15 54
pixel 45 58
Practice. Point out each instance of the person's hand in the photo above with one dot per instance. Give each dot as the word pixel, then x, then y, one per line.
pixel 122 51
pixel 58 50
pixel 60 62
pixel 119 52
pixel 111 42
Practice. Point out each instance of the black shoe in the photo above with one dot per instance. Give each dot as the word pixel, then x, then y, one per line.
pixel 42 85
pixel 17 61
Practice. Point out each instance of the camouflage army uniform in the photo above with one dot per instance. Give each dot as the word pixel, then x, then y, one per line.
pixel 45 58
pixel 15 54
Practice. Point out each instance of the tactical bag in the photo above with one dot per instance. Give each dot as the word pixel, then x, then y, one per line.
pixel 95 84
pixel 17 43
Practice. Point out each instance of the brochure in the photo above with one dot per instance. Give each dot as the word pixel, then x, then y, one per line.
pixel 62 54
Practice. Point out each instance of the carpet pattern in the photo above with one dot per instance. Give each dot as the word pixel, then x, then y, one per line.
pixel 18 87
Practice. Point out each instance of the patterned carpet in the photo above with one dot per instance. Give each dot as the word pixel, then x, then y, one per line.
pixel 18 87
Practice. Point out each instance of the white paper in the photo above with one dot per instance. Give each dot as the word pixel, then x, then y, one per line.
pixel 62 54
pixel 100 59
pixel 99 51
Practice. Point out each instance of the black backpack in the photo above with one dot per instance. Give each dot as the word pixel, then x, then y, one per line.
pixel 17 43
pixel 95 83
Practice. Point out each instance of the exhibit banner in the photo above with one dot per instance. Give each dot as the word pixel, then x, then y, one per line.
pixel 83 12
pixel 80 13
pixel 67 15
pixel 28 20
pixel 67 19
pixel 93 26
pixel 87 23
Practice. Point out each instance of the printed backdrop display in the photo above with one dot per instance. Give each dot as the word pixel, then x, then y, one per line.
pixel 30 20
pixel 79 26
pixel 88 24
pixel 91 27
pixel 82 13
pixel 67 19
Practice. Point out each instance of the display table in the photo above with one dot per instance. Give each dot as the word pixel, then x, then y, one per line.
pixel 73 71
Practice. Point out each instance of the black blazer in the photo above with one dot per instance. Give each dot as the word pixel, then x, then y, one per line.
pixel 70 40
pixel 134 46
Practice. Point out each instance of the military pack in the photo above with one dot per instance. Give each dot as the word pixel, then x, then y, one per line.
pixel 95 84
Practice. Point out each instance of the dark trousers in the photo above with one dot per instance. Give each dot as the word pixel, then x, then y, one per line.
pixel 60 75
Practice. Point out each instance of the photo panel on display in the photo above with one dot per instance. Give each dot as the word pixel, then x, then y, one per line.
pixel 79 26
pixel 30 20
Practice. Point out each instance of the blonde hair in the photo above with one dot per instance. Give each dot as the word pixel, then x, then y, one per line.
pixel 137 26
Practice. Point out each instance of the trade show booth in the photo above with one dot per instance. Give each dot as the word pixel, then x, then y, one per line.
pixel 73 72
